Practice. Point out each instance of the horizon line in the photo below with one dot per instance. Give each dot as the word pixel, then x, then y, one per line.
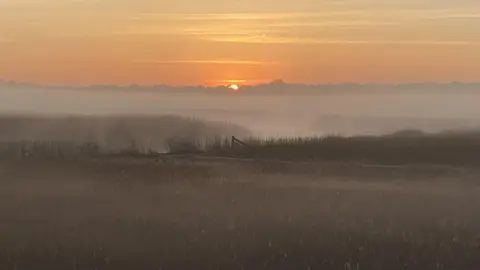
pixel 242 83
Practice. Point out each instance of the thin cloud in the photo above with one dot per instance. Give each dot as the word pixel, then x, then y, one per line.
pixel 352 17
pixel 293 40
pixel 286 28
pixel 213 17
pixel 278 27
pixel 243 82
pixel 247 26
pixel 228 81
pixel 447 16
pixel 215 62
pixel 335 23
pixel 412 15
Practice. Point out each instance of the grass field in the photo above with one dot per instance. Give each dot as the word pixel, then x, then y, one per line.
pixel 404 147
pixel 73 136
pixel 207 213
pixel 408 200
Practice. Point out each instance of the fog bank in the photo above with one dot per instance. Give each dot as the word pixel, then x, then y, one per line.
pixel 284 113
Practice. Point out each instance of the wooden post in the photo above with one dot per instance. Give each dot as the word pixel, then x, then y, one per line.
pixel 237 141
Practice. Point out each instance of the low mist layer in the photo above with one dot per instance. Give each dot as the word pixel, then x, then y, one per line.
pixel 273 110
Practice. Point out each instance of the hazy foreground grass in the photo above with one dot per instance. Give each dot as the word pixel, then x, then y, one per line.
pixel 455 149
pixel 113 133
pixel 133 213
pixel 401 148
pixel 91 136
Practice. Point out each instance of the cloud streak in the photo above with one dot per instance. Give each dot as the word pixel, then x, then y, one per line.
pixel 354 27
pixel 453 15
pixel 314 40
pixel 207 62
pixel 214 17
pixel 379 16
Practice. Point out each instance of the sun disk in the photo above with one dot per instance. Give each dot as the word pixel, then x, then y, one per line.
pixel 234 87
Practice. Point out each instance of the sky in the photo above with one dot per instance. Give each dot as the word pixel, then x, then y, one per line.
pixel 218 42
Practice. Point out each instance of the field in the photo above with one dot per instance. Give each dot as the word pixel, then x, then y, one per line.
pixel 111 132
pixel 219 213
pixel 457 148
pixel 101 193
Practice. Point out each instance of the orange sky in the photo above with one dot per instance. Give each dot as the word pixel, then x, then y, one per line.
pixel 186 42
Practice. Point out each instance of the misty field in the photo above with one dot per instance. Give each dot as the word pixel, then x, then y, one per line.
pixel 94 135
pixel 460 148
pixel 209 213
pixel 112 133
pixel 173 192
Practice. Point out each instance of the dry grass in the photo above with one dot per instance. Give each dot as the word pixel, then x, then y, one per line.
pixel 399 148
pixel 115 133
pixel 129 213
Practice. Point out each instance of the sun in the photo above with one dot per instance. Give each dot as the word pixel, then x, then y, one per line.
pixel 234 87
